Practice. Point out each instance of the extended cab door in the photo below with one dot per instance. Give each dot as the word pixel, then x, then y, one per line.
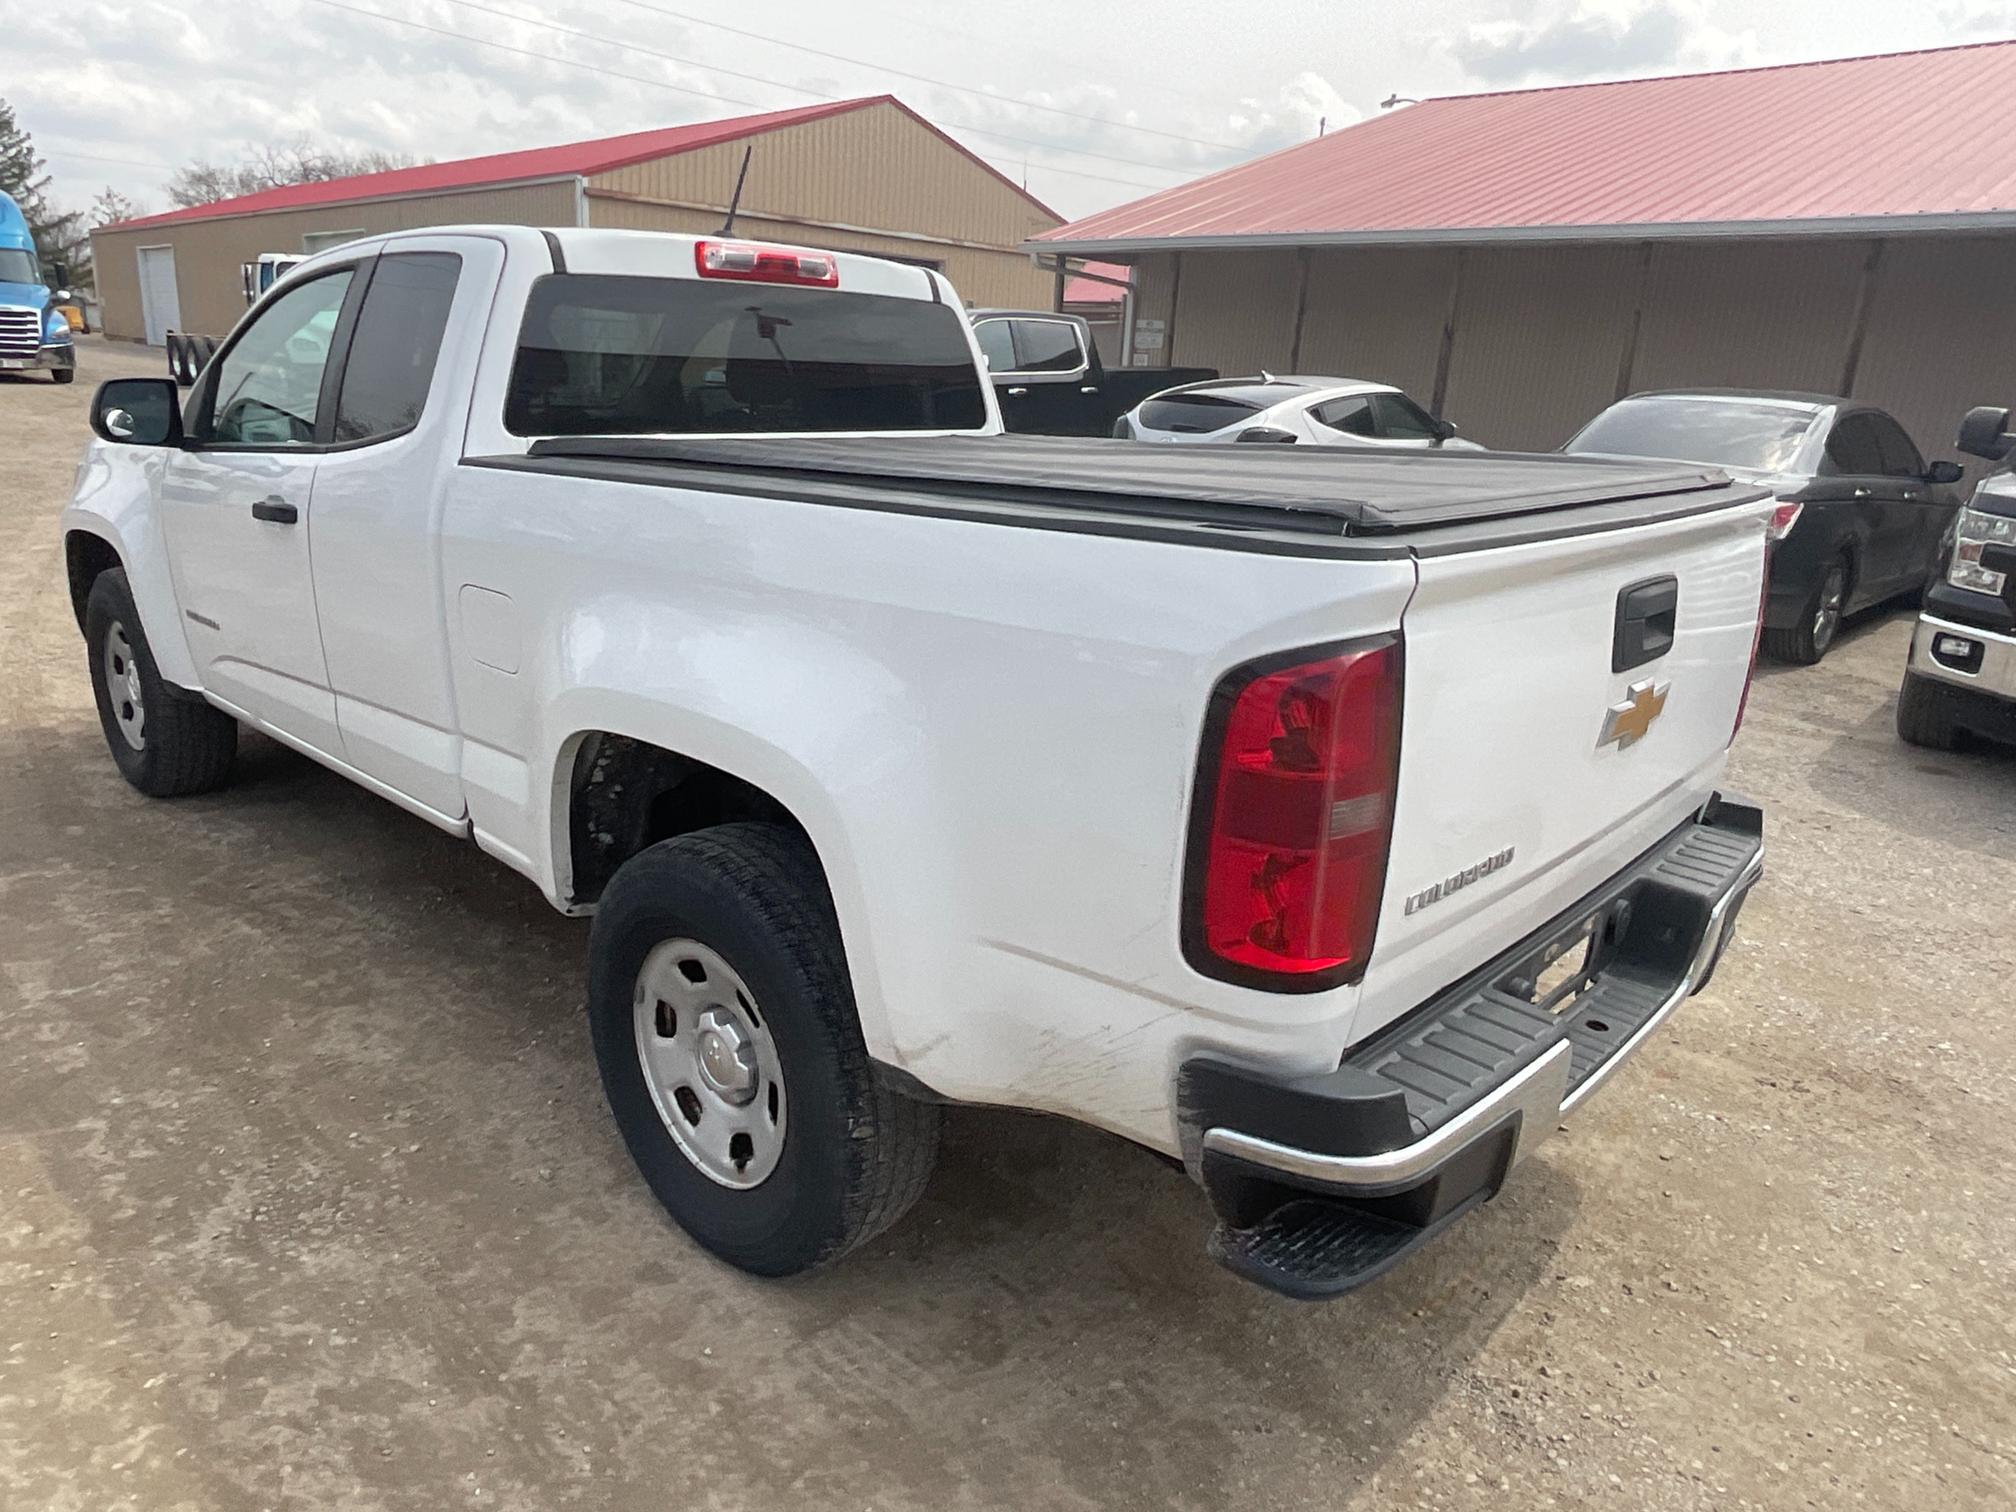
pixel 400 410
pixel 236 505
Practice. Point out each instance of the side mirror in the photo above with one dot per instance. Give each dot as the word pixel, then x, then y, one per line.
pixel 1445 430
pixel 1265 433
pixel 138 412
pixel 1941 473
pixel 1985 433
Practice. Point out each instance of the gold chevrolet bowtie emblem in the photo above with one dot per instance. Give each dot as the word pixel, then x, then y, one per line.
pixel 1626 723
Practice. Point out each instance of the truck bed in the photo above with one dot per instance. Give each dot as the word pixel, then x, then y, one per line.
pixel 1347 501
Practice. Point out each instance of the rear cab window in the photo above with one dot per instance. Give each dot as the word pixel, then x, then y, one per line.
pixel 620 354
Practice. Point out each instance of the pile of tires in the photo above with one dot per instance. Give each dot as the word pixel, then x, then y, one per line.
pixel 187 353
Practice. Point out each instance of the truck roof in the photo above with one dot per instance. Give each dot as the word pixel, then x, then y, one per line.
pixel 1373 498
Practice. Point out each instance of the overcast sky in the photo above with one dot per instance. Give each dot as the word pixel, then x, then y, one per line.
pixel 1095 101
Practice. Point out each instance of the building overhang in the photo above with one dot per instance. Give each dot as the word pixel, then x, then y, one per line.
pixel 1958 223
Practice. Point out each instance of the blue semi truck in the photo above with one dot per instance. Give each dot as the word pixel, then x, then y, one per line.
pixel 34 336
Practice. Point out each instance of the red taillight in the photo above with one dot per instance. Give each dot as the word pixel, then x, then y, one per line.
pixel 1783 518
pixel 751 263
pixel 1757 635
pixel 1295 817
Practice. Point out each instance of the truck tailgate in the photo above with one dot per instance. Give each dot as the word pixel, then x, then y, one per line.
pixel 1512 803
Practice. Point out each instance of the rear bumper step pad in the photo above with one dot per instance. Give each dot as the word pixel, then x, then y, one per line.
pixel 1323 1182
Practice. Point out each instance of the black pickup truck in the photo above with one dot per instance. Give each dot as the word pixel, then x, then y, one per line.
pixel 1050 381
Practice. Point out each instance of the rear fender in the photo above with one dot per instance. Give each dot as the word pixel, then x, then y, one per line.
pixel 815 725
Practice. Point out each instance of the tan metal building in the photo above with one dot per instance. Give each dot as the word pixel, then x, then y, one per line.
pixel 867 175
pixel 1518 261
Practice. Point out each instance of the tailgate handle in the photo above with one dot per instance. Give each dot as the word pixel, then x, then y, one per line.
pixel 1646 614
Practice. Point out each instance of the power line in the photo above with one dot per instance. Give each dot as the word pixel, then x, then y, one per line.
pixel 66 155
pixel 526 52
pixel 607 41
pixel 833 57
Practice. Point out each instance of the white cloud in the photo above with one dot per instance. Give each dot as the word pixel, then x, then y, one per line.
pixel 1600 39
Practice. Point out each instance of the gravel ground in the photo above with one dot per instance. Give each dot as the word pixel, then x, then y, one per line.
pixel 308 1198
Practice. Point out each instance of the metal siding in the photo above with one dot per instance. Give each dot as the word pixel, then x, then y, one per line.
pixel 1539 331
pixel 1747 145
pixel 1772 314
pixel 1235 311
pixel 980 277
pixel 874 167
pixel 1376 313
pixel 208 252
pixel 1940 339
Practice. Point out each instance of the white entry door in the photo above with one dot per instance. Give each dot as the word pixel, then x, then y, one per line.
pixel 160 302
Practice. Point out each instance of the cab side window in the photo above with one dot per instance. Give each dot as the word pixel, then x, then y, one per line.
pixel 1401 419
pixel 1852 448
pixel 1047 346
pixel 397 340
pixel 997 344
pixel 268 387
pixel 1901 458
pixel 1351 415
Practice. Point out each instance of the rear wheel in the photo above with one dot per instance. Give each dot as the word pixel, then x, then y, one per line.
pixel 1819 621
pixel 1925 710
pixel 166 742
pixel 725 1030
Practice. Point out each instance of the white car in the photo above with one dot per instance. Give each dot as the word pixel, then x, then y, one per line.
pixel 1333 838
pixel 1314 411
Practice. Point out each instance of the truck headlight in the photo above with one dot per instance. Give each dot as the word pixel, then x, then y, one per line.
pixel 1976 531
pixel 55 330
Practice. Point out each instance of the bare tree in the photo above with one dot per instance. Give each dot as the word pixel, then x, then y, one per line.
pixel 273 165
pixel 110 207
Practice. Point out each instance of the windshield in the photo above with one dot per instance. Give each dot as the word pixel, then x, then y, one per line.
pixel 1753 434
pixel 17 266
pixel 610 355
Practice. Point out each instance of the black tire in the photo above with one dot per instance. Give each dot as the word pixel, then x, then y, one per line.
pixel 855 1153
pixel 185 745
pixel 63 375
pixel 1925 714
pixel 1819 623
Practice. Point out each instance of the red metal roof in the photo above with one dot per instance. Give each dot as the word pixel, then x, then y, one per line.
pixel 540 163
pixel 1086 291
pixel 1816 146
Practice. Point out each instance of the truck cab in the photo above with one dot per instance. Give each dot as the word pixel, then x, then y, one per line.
pixel 34 336
pixel 1961 676
pixel 1050 381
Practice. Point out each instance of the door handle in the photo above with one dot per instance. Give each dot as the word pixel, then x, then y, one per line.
pixel 1861 493
pixel 275 510
pixel 1018 393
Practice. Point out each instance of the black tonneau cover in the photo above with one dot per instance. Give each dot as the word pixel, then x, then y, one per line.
pixel 1355 490
pixel 1384 500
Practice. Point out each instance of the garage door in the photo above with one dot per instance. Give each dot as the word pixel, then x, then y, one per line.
pixel 160 304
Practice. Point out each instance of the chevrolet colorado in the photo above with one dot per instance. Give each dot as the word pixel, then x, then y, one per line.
pixel 1329 820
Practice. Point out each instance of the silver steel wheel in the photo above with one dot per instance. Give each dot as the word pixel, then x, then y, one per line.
pixel 712 1067
pixel 122 687
pixel 1827 618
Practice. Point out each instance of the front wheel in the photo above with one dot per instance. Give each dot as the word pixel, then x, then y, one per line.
pixel 166 742
pixel 1925 714
pixel 732 1058
pixel 1819 621
pixel 63 375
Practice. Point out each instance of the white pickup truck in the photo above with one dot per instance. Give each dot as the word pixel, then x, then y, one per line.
pixel 1328 820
